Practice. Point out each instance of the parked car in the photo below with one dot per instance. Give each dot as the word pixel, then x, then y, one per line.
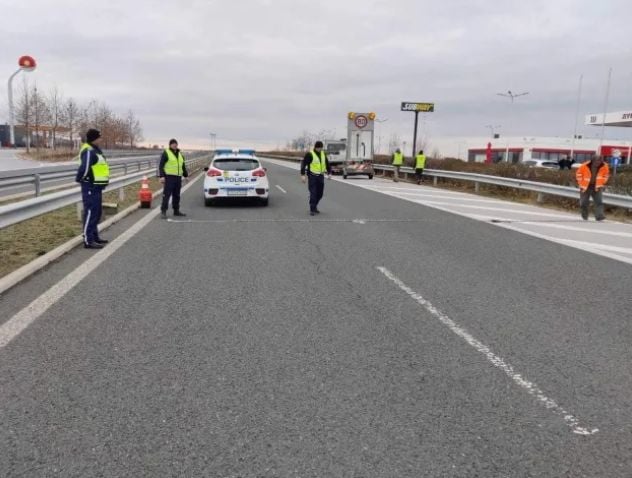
pixel 541 163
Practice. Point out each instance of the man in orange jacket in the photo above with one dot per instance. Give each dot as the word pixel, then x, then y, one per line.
pixel 592 177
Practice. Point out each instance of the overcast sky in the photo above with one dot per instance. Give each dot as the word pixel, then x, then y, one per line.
pixel 259 72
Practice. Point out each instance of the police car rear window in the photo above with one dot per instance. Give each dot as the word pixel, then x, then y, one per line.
pixel 233 164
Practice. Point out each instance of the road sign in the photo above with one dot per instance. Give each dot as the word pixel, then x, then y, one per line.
pixel 418 107
pixel 361 121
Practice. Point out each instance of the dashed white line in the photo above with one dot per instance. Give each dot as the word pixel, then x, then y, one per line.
pixel 530 387
pixel 281 189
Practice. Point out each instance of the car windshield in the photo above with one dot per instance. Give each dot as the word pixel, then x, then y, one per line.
pixel 236 164
pixel 335 147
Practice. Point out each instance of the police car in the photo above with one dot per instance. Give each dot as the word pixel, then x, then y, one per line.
pixel 235 174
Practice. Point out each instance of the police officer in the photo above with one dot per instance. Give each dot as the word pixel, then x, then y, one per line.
pixel 317 165
pixel 420 164
pixel 398 161
pixel 93 175
pixel 171 171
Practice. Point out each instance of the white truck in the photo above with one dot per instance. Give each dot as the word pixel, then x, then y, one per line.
pixel 336 150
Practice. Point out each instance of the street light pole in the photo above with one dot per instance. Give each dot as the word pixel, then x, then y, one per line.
pixel 11 111
pixel 511 96
pixel 26 63
pixel 579 98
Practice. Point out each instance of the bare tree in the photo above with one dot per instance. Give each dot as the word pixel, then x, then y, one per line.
pixel 71 117
pixel 133 129
pixel 56 109
pixel 24 112
pixel 41 114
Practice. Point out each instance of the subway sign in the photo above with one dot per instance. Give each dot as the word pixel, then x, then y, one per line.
pixel 418 107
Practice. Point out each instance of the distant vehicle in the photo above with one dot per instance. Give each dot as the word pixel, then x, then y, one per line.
pixel 235 174
pixel 358 168
pixel 541 163
pixel 336 150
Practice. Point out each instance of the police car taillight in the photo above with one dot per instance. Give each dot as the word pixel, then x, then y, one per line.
pixel 259 173
pixel 213 173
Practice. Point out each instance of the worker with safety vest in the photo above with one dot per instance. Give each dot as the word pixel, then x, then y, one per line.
pixel 420 164
pixel 398 162
pixel 592 176
pixel 93 175
pixel 316 165
pixel 171 170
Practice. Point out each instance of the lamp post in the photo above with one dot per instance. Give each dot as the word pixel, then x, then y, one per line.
pixel 213 140
pixel 493 128
pixel 26 63
pixel 511 96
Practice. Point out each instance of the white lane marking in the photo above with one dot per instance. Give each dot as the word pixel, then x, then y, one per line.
pixel 571 228
pixel 20 321
pixel 531 388
pixel 499 209
pixel 281 189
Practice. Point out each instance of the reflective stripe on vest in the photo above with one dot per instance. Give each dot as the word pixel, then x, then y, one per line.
pixel 100 170
pixel 318 166
pixel 421 161
pixel 398 159
pixel 174 165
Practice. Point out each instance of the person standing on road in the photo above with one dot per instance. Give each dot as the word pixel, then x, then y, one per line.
pixel 592 176
pixel 93 175
pixel 171 170
pixel 420 164
pixel 316 164
pixel 398 161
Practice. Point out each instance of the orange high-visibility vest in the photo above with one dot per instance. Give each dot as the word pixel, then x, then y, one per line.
pixel 584 175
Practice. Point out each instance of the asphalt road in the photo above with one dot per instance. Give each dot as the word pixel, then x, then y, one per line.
pixel 381 338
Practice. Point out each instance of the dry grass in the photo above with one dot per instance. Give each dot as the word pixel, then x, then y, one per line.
pixel 49 155
pixel 24 242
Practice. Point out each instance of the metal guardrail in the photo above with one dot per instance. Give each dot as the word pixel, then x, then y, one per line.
pixel 23 210
pixel 37 176
pixel 542 189
pixel 618 200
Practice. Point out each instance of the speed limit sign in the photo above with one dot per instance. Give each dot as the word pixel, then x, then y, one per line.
pixel 361 121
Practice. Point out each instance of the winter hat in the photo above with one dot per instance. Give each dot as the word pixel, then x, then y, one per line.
pixel 92 135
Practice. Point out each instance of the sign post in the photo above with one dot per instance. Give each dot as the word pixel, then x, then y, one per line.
pixel 417 108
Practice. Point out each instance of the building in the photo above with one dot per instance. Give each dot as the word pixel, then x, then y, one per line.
pixel 519 149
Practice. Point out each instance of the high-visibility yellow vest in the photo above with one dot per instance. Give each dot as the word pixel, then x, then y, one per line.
pixel 175 164
pixel 398 159
pixel 100 170
pixel 420 161
pixel 318 165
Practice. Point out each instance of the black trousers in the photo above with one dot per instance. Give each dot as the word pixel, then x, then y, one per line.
pixel 419 174
pixel 173 185
pixel 92 207
pixel 316 185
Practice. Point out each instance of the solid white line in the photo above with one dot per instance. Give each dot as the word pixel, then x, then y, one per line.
pixel 20 321
pixel 281 189
pixel 497 361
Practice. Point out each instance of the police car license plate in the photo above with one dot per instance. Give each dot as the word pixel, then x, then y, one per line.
pixel 237 192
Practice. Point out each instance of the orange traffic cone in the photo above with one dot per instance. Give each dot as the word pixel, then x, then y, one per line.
pixel 144 194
